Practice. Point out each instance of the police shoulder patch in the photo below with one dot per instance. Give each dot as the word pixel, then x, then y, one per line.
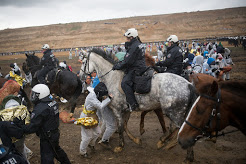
pixel 169 55
pixel 180 50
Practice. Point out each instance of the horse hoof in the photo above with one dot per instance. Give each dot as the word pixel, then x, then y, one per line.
pixel 138 141
pixel 159 144
pixel 186 161
pixel 118 149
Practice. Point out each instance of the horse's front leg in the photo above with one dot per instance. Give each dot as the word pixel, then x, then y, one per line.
pixel 121 134
pixel 134 139
pixel 190 156
pixel 168 140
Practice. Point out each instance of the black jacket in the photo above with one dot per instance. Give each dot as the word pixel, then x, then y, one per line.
pixel 8 130
pixel 48 59
pixel 174 60
pixel 134 58
pixel 44 118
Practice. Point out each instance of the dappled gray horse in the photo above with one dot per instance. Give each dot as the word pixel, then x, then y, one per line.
pixel 170 92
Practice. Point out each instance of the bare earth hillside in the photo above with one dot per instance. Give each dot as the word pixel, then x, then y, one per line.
pixel 201 24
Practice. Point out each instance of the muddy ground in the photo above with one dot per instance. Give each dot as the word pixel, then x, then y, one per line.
pixel 230 149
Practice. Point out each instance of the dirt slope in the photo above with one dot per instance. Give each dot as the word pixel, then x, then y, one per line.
pixel 201 24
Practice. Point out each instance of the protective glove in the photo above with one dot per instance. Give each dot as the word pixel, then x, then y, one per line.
pixel 158 63
pixel 19 122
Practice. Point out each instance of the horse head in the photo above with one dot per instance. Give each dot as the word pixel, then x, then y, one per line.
pixel 200 121
pixel 32 59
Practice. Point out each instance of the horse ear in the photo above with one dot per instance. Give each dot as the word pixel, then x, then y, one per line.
pixel 214 88
pixel 33 53
pixel 194 79
pixel 26 54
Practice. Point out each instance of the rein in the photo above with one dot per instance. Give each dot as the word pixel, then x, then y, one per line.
pixel 87 61
pixel 215 113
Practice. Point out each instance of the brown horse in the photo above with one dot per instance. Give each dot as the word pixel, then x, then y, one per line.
pixel 150 61
pixel 219 105
pixel 11 87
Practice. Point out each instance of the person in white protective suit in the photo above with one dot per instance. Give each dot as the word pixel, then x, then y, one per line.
pixel 197 68
pixel 92 104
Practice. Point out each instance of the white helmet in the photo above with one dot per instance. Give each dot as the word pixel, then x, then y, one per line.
pixel 131 32
pixel 46 46
pixel 62 64
pixel 39 92
pixel 172 38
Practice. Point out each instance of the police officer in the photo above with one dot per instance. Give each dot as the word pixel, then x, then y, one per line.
pixel 8 153
pixel 133 64
pixel 45 122
pixel 48 62
pixel 174 58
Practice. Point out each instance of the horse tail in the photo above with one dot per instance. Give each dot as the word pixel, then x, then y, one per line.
pixel 193 97
pixel 76 94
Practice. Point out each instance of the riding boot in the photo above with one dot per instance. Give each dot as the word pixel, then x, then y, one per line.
pixel 134 107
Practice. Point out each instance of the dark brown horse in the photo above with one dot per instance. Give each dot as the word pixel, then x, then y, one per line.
pixel 65 83
pixel 219 105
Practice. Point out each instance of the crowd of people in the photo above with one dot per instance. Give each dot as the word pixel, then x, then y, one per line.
pixel 173 56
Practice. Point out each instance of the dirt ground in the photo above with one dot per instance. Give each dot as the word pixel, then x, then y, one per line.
pixel 230 149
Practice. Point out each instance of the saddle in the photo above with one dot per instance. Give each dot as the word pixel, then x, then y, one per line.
pixel 52 75
pixel 142 82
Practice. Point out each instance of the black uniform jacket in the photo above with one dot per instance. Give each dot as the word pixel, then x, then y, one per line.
pixel 48 59
pixel 44 118
pixel 134 58
pixel 8 130
pixel 174 60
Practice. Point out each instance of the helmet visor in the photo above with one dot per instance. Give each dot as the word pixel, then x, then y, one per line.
pixel 34 96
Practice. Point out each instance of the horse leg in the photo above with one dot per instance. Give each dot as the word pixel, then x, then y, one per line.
pixel 190 156
pixel 142 122
pixel 159 114
pixel 134 139
pixel 121 133
pixel 168 141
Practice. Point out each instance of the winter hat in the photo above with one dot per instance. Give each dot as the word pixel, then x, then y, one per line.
pixel 101 90
pixel 210 60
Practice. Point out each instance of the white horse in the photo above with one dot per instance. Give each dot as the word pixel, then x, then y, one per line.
pixel 170 92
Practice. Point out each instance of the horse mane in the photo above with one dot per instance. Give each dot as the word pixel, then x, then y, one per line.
pixel 103 54
pixel 235 87
pixel 238 87
pixel 149 60
pixel 35 58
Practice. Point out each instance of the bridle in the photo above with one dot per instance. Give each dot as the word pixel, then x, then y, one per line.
pixel 214 114
pixel 88 69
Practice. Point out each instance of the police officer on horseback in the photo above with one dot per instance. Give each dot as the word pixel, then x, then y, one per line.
pixel 174 58
pixel 45 122
pixel 48 62
pixel 133 64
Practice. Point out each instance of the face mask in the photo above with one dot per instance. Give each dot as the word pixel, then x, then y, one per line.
pixel 212 66
pixel 34 97
pixel 127 44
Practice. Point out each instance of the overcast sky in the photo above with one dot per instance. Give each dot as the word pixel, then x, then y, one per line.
pixel 25 13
